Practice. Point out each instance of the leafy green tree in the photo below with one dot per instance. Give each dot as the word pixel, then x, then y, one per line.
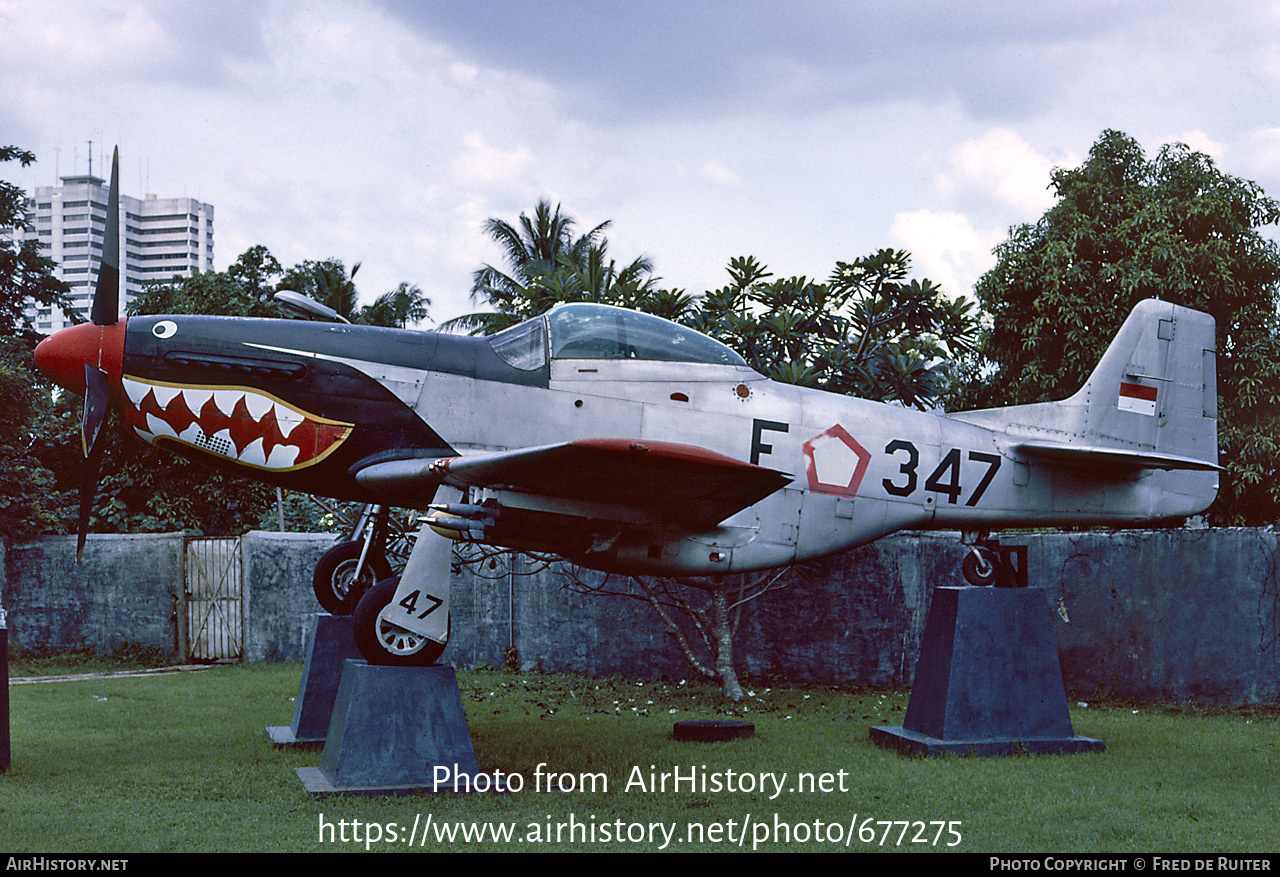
pixel 26 277
pixel 397 309
pixel 144 489
pixel 866 332
pixel 30 501
pixel 1125 228
pixel 255 271
pixel 327 282
pixel 548 265
pixel 243 290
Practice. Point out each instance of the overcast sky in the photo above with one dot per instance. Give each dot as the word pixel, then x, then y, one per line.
pixel 386 131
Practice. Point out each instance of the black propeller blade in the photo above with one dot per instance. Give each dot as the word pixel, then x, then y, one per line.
pixel 97 402
pixel 97 387
pixel 106 295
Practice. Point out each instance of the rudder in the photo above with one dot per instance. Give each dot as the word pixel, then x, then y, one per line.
pixel 1155 388
pixel 1149 406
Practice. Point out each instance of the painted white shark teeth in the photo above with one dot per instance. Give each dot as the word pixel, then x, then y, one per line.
pixel 157 427
pixel 257 405
pixel 282 456
pixel 287 419
pixel 137 391
pixel 227 400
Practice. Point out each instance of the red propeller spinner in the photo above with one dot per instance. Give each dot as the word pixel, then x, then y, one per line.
pixel 63 355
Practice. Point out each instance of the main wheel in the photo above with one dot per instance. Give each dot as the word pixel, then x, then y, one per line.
pixel 381 641
pixel 334 579
pixel 981 567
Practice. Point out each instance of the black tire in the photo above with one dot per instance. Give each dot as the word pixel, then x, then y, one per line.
pixel 332 581
pixel 388 644
pixel 981 567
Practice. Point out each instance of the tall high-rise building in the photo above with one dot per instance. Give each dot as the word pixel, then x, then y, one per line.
pixel 159 238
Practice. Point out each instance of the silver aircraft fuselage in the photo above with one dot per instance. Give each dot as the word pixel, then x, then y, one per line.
pixel 531 426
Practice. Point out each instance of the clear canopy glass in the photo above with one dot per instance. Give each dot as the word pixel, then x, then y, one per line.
pixel 591 331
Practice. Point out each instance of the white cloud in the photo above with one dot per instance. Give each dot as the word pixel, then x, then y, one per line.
pixel 1002 166
pixel 945 248
pixel 84 40
pixel 1202 142
pixel 464 74
pixel 487 165
pixel 716 173
pixel 990 183
pixel 1262 150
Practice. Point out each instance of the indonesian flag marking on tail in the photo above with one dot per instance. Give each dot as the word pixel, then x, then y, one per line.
pixel 1138 399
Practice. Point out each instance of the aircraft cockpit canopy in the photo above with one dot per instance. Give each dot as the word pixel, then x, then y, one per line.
pixel 523 346
pixel 592 331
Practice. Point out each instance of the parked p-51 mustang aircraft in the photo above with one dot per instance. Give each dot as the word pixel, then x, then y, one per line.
pixel 627 443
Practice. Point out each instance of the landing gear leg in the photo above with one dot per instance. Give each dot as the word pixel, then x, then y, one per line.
pixel 981 567
pixel 354 565
pixel 989 563
pixel 405 621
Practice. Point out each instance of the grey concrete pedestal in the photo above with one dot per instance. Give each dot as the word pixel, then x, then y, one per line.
pixel 330 642
pixel 395 730
pixel 988 680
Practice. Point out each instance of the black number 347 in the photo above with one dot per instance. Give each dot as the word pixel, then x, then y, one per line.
pixel 945 479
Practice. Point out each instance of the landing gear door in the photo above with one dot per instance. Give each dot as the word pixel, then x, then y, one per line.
pixel 421 602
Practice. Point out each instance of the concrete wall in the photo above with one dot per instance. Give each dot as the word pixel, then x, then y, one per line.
pixel 278 600
pixel 1186 615
pixel 1181 615
pixel 124 592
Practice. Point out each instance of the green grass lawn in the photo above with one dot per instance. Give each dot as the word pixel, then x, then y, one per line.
pixel 181 762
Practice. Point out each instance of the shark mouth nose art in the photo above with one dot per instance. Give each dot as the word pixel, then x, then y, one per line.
pixel 243 425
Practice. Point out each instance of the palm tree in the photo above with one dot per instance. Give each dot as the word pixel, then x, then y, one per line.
pixel 603 282
pixel 534 247
pixel 548 264
pixel 403 305
pixel 336 288
pixel 327 282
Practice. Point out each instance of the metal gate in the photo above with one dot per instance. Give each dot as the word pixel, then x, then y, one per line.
pixel 213 599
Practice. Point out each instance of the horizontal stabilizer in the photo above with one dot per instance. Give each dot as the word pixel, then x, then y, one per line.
pixel 1117 460
pixel 682 484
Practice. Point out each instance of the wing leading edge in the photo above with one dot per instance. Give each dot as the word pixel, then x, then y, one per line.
pixel 682 484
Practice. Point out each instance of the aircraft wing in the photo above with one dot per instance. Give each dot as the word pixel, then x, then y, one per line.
pixel 679 483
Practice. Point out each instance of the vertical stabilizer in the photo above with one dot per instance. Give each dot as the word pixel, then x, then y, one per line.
pixel 1150 406
pixel 1155 388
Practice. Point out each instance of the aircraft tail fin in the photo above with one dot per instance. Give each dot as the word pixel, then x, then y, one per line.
pixel 1155 389
pixel 1150 404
